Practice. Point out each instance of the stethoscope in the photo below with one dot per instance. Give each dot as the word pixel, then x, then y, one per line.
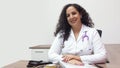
pixel 85 36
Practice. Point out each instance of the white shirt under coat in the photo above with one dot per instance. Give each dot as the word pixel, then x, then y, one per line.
pixel 90 49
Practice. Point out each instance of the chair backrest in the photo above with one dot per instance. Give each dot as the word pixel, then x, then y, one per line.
pixel 100 32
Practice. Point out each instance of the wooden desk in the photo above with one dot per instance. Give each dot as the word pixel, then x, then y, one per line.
pixel 18 64
pixel 23 64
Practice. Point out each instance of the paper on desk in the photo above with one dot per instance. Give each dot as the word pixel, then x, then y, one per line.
pixel 67 65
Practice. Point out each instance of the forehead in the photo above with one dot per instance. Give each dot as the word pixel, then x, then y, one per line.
pixel 71 9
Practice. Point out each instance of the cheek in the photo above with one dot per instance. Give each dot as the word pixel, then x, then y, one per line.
pixel 78 16
pixel 68 20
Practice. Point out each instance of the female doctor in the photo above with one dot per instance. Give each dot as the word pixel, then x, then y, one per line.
pixel 76 41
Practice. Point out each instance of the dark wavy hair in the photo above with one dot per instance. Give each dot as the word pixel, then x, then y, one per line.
pixel 63 25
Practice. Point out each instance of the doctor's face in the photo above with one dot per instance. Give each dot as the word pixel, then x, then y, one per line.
pixel 73 16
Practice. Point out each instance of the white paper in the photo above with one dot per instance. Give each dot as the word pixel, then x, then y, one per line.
pixel 67 65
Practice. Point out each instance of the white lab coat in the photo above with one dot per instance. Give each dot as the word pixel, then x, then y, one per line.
pixel 90 49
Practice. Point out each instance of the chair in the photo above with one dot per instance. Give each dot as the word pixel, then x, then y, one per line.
pixel 100 32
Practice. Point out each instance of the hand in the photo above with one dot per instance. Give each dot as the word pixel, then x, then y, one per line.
pixel 66 58
pixel 75 62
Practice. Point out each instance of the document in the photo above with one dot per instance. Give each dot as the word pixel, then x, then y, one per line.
pixel 67 65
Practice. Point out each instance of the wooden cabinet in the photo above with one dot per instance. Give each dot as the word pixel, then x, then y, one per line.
pixel 39 52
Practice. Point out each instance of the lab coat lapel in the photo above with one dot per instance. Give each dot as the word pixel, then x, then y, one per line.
pixel 81 33
pixel 72 34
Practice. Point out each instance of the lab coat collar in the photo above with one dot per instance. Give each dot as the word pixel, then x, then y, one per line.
pixel 83 29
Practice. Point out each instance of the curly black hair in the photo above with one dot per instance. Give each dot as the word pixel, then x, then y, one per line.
pixel 63 25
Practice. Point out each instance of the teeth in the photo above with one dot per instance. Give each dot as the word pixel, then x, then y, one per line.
pixel 73 20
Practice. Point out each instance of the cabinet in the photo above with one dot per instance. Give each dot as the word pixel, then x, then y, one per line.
pixel 39 52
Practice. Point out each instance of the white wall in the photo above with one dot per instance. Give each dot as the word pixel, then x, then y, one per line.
pixel 25 23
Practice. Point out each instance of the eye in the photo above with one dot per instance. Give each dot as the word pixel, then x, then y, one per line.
pixel 73 13
pixel 68 15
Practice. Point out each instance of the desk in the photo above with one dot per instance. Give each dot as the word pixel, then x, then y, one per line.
pixel 18 64
pixel 23 64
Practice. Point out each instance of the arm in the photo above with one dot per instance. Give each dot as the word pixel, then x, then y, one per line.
pixel 55 50
pixel 99 51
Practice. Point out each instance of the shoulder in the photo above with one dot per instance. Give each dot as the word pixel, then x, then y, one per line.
pixel 59 35
pixel 92 32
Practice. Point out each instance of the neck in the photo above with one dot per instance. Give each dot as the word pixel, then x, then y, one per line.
pixel 77 28
pixel 76 31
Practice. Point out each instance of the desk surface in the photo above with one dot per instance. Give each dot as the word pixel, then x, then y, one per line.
pixel 23 64
pixel 18 64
